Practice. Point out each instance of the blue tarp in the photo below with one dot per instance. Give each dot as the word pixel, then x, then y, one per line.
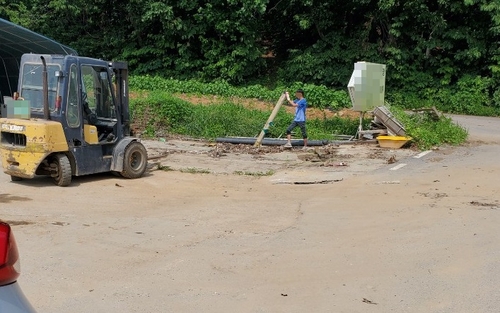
pixel 14 42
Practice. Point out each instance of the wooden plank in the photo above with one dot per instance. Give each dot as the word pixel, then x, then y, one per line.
pixel 270 120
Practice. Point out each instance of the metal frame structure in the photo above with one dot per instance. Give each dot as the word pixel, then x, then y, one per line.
pixel 14 42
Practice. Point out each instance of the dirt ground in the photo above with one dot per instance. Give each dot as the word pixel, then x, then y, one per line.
pixel 218 228
pixel 321 163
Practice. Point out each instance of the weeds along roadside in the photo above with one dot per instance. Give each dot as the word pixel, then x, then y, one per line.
pixel 160 114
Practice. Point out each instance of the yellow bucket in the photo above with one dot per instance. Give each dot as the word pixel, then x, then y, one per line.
pixel 392 142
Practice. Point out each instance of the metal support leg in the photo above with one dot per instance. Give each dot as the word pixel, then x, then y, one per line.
pixel 360 127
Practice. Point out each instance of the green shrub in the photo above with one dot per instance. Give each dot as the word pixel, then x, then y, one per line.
pixel 326 128
pixel 427 132
pixel 470 95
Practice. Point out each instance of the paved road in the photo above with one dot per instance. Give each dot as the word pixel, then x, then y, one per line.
pixel 486 129
pixel 421 238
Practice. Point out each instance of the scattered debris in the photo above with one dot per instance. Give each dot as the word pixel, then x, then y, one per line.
pixel 216 153
pixel 389 182
pixel 392 160
pixel 432 112
pixel 436 195
pixel 161 156
pixel 284 295
pixel 484 205
pixel 316 182
pixel 369 301
pixel 218 156
pixel 118 185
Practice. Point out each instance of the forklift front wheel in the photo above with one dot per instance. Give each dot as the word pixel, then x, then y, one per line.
pixel 135 161
pixel 62 168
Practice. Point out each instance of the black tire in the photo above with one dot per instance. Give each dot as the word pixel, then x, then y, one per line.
pixel 62 167
pixel 135 161
pixel 15 178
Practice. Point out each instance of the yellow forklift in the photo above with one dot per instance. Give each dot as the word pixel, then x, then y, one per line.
pixel 69 118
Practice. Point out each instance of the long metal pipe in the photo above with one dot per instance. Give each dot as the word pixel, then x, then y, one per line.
pixel 45 83
pixel 270 141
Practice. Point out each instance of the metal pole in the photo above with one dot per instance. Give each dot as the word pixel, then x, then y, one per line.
pixel 46 109
pixel 360 127
pixel 270 120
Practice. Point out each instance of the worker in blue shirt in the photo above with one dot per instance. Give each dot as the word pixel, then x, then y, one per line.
pixel 300 104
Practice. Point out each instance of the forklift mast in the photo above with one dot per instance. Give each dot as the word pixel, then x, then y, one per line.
pixel 120 70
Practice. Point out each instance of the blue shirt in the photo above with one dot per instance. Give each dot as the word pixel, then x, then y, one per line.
pixel 300 110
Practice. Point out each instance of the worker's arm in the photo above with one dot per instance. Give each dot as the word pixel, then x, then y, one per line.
pixel 290 101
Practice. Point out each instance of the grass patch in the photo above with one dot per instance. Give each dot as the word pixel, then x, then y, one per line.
pixel 255 174
pixel 318 96
pixel 428 133
pixel 159 113
pixel 194 170
pixel 165 168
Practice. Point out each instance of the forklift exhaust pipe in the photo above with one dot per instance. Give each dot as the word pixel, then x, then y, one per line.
pixel 46 109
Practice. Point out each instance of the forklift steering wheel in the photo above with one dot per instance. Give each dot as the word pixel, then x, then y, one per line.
pixel 91 116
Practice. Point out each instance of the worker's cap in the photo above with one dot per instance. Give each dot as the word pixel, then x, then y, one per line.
pixel 300 91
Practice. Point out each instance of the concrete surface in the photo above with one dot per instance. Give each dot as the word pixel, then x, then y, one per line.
pixel 423 237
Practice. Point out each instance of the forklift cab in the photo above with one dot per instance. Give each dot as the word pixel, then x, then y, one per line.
pixel 97 110
pixel 80 96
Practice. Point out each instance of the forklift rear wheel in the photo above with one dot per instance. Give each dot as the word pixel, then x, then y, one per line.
pixel 135 161
pixel 15 178
pixel 62 167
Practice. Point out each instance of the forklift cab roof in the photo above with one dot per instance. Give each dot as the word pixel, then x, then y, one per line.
pixel 14 42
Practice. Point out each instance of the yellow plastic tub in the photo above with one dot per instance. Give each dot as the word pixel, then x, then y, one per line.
pixel 392 142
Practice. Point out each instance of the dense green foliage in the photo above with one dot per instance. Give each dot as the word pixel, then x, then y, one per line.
pixel 317 96
pixel 445 53
pixel 161 114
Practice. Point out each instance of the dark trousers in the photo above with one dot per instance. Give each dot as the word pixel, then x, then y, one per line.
pixel 302 126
